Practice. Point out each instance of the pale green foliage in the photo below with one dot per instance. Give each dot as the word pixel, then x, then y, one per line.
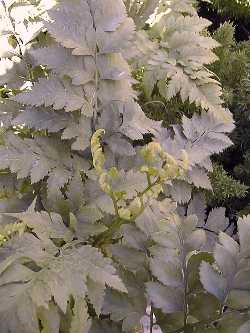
pixel 177 67
pixel 105 236
pixel 36 272
pixel 228 280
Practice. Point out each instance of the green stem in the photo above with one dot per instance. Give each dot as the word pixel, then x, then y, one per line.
pixel 185 272
pixel 115 205
pixel 107 235
pixel 149 187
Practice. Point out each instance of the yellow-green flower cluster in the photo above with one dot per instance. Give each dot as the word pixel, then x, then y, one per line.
pixel 161 164
pixel 160 167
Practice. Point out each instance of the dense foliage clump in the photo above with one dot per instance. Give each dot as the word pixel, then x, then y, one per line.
pixel 104 225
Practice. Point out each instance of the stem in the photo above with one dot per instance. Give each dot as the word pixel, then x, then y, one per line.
pixel 185 272
pixel 151 319
pixel 95 97
pixel 148 188
pixel 105 237
pixel 115 205
pixel 118 222
pixel 149 180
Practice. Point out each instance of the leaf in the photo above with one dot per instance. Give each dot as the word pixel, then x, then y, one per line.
pixel 109 15
pixel 133 237
pixel 12 72
pixel 96 292
pixel 50 319
pixel 168 299
pixel 199 136
pixel 226 278
pixel 47 157
pixel 96 198
pixel 104 326
pixel 122 308
pixel 167 272
pixel 80 69
pixel 130 258
pixel 8 110
pixel 44 225
pixel 80 321
pixel 19 248
pixel 53 121
pixel 112 67
pixel 140 12
pixel 244 234
pixel 59 277
pixel 81 130
pixel 216 220
pixel 244 328
pixel 180 191
pixel 54 92
pixel 148 221
pixel 199 178
pixel 13 316
pixel 197 207
pixel 212 281
pixel 116 41
pixel 72 34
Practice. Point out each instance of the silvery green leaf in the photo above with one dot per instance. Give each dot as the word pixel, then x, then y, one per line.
pixel 134 237
pixel 80 322
pixel 42 119
pixel 96 293
pixel 71 24
pixel 12 72
pixel 125 309
pixel 244 234
pixel 212 281
pixel 54 92
pixel 134 260
pixel 180 191
pixel 80 69
pixel 80 130
pixel 168 299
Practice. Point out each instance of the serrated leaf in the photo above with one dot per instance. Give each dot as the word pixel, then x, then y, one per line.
pixel 55 92
pixel 130 258
pixel 212 281
pixel 96 293
pixel 80 321
pixel 53 121
pixel 50 319
pixel 244 234
pixel 122 308
pixel 69 34
pixel 168 299
pixel 80 69
pixel 47 157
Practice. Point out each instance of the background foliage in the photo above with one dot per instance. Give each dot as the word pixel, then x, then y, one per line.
pixel 111 217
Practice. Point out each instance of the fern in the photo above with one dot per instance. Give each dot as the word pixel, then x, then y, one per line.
pixel 175 68
pixel 92 230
